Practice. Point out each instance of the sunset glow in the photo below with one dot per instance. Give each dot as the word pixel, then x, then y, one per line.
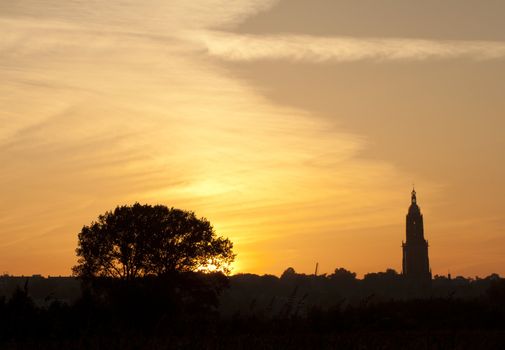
pixel 297 139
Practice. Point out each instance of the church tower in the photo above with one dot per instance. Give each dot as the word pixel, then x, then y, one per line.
pixel 416 265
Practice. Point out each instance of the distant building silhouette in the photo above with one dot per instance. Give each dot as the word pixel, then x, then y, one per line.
pixel 415 265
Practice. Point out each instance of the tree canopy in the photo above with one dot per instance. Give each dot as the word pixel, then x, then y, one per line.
pixel 143 240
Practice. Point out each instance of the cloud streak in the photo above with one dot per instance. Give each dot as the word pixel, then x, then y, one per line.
pixel 101 107
pixel 305 48
pixel 97 115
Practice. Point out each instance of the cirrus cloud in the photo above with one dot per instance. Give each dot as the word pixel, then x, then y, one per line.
pixel 235 47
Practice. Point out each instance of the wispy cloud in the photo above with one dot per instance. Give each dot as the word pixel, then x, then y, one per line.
pixel 239 47
pixel 102 107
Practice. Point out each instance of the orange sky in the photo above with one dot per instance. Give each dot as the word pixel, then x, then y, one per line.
pixel 296 127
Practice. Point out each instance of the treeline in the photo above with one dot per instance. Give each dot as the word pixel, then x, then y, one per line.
pixel 42 290
pixel 322 290
pixel 197 310
pixel 269 295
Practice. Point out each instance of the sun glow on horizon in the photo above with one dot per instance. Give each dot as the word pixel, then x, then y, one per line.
pixel 296 140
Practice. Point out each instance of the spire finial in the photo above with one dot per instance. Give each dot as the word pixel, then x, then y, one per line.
pixel 414 199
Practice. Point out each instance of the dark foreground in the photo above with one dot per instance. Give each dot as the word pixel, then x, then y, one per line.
pixel 362 340
pixel 198 311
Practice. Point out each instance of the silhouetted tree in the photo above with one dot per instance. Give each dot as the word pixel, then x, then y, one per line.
pixel 289 273
pixel 344 275
pixel 143 240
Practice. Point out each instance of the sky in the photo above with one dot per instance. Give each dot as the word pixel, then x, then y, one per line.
pixel 297 127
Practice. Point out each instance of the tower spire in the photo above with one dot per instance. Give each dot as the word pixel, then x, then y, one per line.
pixel 415 248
